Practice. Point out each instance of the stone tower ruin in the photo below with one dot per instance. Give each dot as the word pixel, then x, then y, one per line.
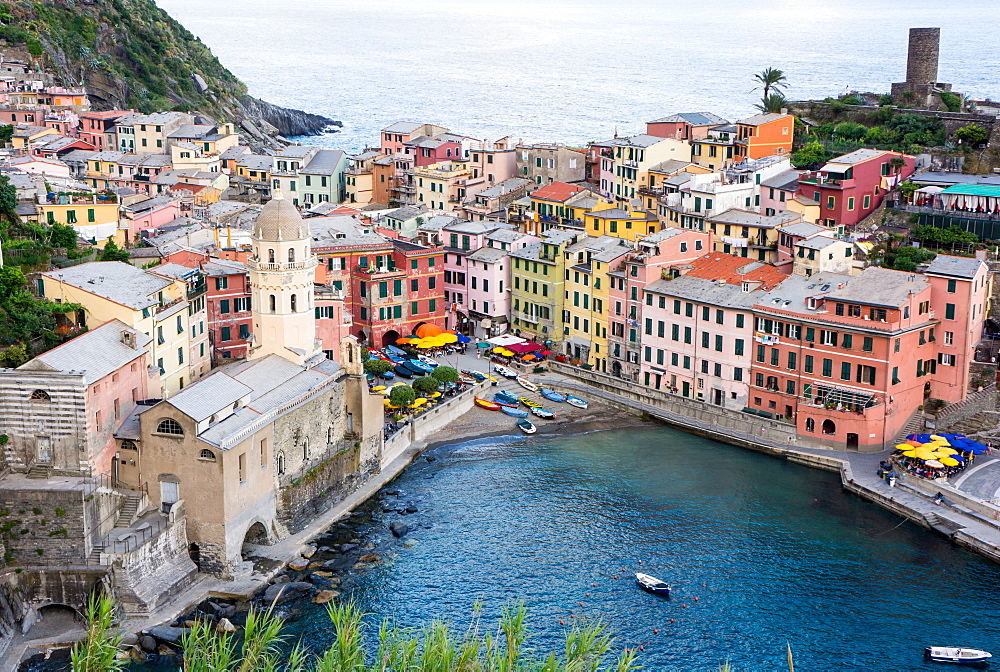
pixel 921 87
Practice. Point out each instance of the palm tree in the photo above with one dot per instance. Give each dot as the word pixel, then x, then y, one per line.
pixel 771 79
pixel 773 103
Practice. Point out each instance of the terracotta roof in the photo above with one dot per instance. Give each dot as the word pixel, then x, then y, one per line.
pixel 557 191
pixel 734 270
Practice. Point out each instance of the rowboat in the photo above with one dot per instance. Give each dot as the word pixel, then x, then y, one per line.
pixel 527 384
pixel 479 377
pixel 530 403
pixel 514 412
pixel 487 404
pixel 504 371
pixel 423 366
pixel 427 360
pixel 526 426
pixel 552 395
pixel 388 375
pixel 505 397
pixel 403 372
pixel 651 584
pixel 954 654
pixel 543 413
pixel 465 378
pixel 576 401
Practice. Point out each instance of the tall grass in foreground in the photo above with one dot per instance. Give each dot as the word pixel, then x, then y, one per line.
pixel 96 653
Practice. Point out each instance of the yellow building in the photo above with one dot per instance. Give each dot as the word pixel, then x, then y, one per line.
pixel 635 156
pixel 749 234
pixel 25 135
pixel 156 305
pixel 585 305
pixel 359 179
pixel 94 218
pixel 606 219
pixel 561 204
pixel 441 186
pixel 806 207
pixel 189 155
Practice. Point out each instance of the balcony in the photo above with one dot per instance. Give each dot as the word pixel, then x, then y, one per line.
pixel 255 265
pixel 196 290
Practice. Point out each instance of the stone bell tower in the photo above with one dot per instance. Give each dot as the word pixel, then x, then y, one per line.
pixel 281 271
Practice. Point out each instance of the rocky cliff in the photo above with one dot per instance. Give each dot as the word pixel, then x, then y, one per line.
pixel 132 54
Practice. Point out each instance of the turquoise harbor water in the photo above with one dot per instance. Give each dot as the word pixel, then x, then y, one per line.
pixel 775 552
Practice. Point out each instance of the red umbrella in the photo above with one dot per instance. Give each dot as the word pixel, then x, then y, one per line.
pixel 545 352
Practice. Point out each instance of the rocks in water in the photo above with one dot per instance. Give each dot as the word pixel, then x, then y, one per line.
pixel 148 644
pixel 369 557
pixel 347 548
pixel 166 633
pixel 357 514
pixel 137 654
pixel 409 543
pixel 309 551
pixel 369 546
pixel 319 581
pixel 225 625
pixel 298 564
pixel 166 650
pixel 283 578
pixel 411 507
pixel 393 493
pixel 129 639
pixel 398 529
pixel 281 593
pixel 324 596
pixel 430 458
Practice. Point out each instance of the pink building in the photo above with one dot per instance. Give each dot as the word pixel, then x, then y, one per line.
pixel 777 191
pixel 228 308
pixel 697 329
pixel 333 322
pixel 98 128
pixel 666 253
pixel 684 126
pixel 460 239
pixel 960 291
pixel 147 214
pixel 69 381
pixel 488 270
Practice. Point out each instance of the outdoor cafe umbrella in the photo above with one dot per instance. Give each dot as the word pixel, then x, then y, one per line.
pixel 933 464
pixel 949 461
pixel 464 339
pixel 910 453
pixel 482 344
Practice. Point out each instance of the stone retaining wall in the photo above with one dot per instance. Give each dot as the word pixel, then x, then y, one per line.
pixel 430 421
pixel 977 402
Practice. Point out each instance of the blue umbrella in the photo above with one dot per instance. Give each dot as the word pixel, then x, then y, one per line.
pixel 957 457
pixel 922 438
pixel 464 339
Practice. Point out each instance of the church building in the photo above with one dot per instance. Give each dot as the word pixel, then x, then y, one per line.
pixel 257 448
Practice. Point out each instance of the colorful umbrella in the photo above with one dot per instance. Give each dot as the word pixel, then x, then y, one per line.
pixel 499 349
pixel 528 358
pixel 506 353
pixel 903 446
pixel 464 339
pixel 933 464
pixel 910 453
pixel 949 461
pixel 482 344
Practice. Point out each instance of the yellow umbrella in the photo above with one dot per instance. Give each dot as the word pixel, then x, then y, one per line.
pixel 449 338
pixel 902 446
pixel 420 400
pixel 379 388
pixel 948 461
pixel 924 455
pixel 947 451
pixel 910 453
pixel 500 350
pixel 506 353
pixel 434 395
pixel 388 405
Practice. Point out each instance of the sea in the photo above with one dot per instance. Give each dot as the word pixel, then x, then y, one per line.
pixel 573 71
pixel 762 554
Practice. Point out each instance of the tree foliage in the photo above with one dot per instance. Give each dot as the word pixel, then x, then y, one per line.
pixel 425 385
pixel 445 374
pixel 941 236
pixel 63 235
pixel 402 395
pixel 811 155
pixel 112 252
pixel 972 135
pixel 771 79
pixel 378 366
pixel 774 103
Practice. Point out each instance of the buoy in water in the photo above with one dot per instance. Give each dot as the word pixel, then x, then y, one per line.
pixel 580 603
pixel 656 631
pixel 696 599
pixel 586 594
pixel 685 606
pixel 562 622
pixel 671 620
pixel 642 648
pixel 594 585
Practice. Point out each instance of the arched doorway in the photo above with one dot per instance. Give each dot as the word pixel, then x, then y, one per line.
pixel 194 552
pixel 55 618
pixel 362 336
pixel 256 536
pixel 829 427
pixel 616 369
pixel 390 337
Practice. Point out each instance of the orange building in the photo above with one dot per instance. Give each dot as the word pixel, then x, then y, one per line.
pixel 764 135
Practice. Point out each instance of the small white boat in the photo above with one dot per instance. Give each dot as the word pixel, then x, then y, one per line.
pixel 526 426
pixel 651 584
pixel 504 371
pixel 576 401
pixel 527 384
pixel 542 412
pixel 954 654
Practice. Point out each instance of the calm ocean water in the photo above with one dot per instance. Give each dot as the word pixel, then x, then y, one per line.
pixel 573 70
pixel 775 552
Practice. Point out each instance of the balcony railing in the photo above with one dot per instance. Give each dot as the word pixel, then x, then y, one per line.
pixel 256 265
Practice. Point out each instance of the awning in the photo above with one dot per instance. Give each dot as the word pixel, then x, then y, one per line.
pixel 930 189
pixel 835 168
pixel 526 347
pixel 506 340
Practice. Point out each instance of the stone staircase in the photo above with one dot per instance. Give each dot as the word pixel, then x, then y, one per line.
pixel 979 422
pixel 127 513
pixel 40 471
pixel 95 555
pixel 914 426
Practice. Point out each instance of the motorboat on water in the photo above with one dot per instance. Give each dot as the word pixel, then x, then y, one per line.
pixel 576 401
pixel 651 584
pixel 955 654
pixel 504 371
pixel 527 384
pixel 552 395
pixel 543 413
pixel 526 426
pixel 514 412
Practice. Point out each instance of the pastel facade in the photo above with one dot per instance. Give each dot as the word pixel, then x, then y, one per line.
pixel 850 187
pixel 764 135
